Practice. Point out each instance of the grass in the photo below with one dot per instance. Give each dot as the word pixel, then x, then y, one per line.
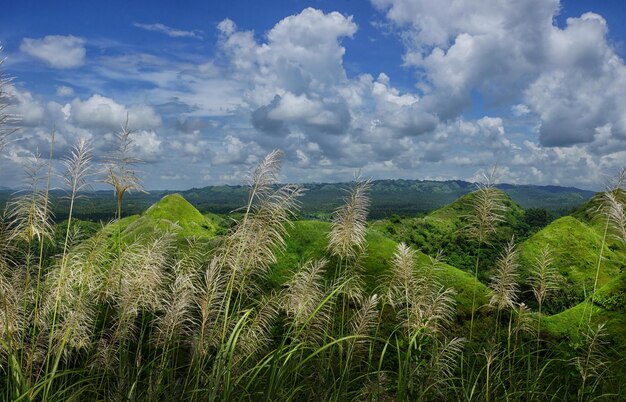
pixel 566 326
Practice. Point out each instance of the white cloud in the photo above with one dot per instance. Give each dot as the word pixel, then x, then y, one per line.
pixel 552 99
pixel 235 151
pixel 100 111
pixel 171 32
pixel 302 53
pixel 64 91
pixel 514 53
pixel 520 110
pixel 25 107
pixel 58 51
pixel 147 145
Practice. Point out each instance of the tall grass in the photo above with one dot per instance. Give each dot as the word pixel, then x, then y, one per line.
pixel 487 209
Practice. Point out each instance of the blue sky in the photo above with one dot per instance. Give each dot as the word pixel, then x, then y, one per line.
pixel 424 89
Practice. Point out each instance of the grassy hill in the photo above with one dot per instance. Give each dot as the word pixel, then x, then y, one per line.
pixel 442 230
pixel 575 250
pixel 608 307
pixel 308 240
pixel 171 213
pixel 284 340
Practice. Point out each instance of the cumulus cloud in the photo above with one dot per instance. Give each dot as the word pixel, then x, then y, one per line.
pixel 171 32
pixel 100 111
pixel 299 91
pixel 302 53
pixel 147 145
pixel 57 51
pixel 25 107
pixel 513 52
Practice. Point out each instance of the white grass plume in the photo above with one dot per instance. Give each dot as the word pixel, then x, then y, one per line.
pixel 304 291
pixel 346 238
pixel 12 317
pixel 402 282
pixel 543 276
pixel 210 298
pixel 264 176
pixel 77 165
pixel 304 301
pixel 28 214
pixel 443 363
pixel 177 320
pixel 422 303
pixel 257 334
pixel 487 208
pixel 364 321
pixel 120 170
pixel 504 287
pixel 616 217
pixel 142 274
pixel 249 248
pixel 591 361
pixel 525 322
pixel 430 315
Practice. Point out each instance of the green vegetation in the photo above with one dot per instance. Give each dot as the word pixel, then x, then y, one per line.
pixel 173 213
pixel 443 230
pixel 575 249
pixel 307 240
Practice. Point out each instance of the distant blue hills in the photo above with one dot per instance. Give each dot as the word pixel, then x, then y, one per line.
pixel 388 197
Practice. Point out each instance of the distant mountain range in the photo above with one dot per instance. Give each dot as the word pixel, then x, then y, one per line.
pixel 388 197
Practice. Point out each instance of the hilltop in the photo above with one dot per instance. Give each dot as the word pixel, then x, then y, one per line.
pixel 171 213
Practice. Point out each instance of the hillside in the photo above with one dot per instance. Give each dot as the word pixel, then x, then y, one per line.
pixel 171 213
pixel 442 230
pixel 588 212
pixel 308 240
pixel 575 250
pixel 608 307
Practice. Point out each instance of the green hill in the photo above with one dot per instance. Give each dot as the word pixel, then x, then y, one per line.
pixel 442 230
pixel 308 240
pixel 389 197
pixel 588 212
pixel 608 307
pixel 575 251
pixel 171 213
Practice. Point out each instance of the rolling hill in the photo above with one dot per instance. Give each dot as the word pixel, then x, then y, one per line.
pixel 308 240
pixel 441 230
pixel 575 249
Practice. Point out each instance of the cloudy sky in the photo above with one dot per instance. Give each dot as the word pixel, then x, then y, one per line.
pixel 416 89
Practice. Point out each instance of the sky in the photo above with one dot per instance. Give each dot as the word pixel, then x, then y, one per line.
pixel 413 89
